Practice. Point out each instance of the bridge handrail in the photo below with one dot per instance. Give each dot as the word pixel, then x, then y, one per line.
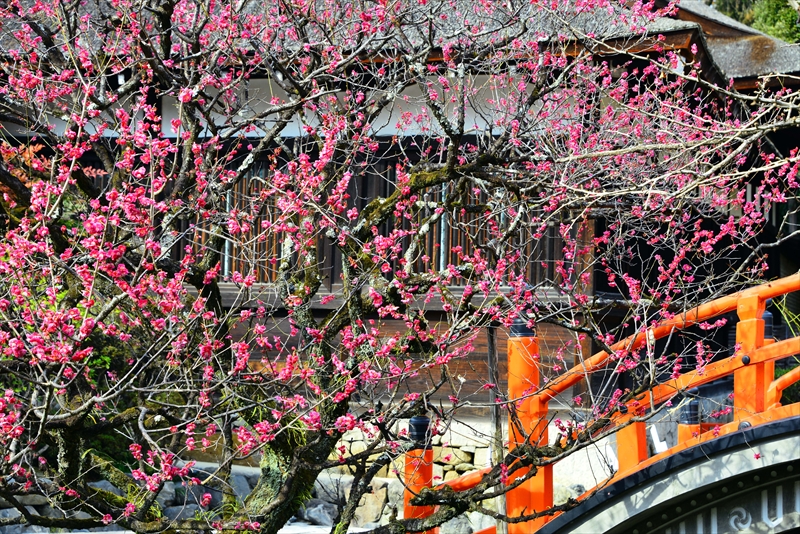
pixel 690 318
pixel 667 390
pixel 779 384
pixel 715 371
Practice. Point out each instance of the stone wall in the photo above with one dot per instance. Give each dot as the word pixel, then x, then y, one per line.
pixel 384 501
pixel 177 500
pixel 461 449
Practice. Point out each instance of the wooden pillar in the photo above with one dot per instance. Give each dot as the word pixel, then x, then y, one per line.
pixel 535 494
pixel 418 471
pixel 749 382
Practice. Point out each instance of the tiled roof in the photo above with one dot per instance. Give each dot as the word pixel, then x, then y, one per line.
pixel 742 52
pixel 702 9
pixel 754 55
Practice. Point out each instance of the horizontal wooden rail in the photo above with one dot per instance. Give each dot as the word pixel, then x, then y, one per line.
pixel 779 385
pixel 692 317
pixel 715 371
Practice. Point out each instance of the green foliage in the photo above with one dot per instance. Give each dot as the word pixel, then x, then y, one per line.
pixel 113 446
pixel 741 10
pixel 776 18
pixel 792 393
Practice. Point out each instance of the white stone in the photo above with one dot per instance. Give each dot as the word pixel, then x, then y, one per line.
pixel 438 473
pixel 370 508
pixel 482 457
pixel 457 525
pixel 394 496
pixel 181 512
pixel 322 514
pixel 450 456
pixel 478 521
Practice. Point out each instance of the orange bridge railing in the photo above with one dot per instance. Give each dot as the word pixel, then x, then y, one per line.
pixel 756 399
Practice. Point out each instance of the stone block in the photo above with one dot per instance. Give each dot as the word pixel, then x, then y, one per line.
pixel 561 494
pixel 438 471
pixel 9 513
pixel 323 514
pixel 394 493
pixel 457 525
pixel 482 457
pixel 194 495
pixel 252 479
pixel 491 504
pixel 450 475
pixel 166 497
pixel 240 487
pixel 450 456
pixel 465 467
pixel 186 511
pixel 79 514
pixel 379 483
pixel 49 511
pixel 478 521
pixel 310 504
pixel 107 528
pixel 333 488
pixel 33 500
pixel 370 507
pixel 383 472
pixel 388 511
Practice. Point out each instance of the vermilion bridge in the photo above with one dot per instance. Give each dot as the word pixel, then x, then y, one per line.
pixel 742 476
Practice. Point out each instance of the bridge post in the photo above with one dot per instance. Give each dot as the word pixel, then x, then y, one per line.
pixel 418 469
pixel 750 382
pixel 535 494
pixel 632 445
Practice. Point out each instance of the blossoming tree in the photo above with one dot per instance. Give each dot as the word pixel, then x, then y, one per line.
pixel 212 210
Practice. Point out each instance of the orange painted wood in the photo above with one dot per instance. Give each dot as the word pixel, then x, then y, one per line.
pixel 685 434
pixel 776 388
pixel 632 445
pixel 418 475
pixel 748 381
pixel 536 493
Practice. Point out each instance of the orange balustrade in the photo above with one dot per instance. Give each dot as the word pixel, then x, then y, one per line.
pixel 756 394
pixel 631 445
pixel 776 388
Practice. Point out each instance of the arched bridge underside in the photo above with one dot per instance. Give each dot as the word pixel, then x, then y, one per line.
pixel 747 481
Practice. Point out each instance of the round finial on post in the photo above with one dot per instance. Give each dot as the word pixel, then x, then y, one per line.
pixel 520 328
pixel 419 429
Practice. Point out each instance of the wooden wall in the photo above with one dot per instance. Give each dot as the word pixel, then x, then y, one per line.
pixel 467 376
